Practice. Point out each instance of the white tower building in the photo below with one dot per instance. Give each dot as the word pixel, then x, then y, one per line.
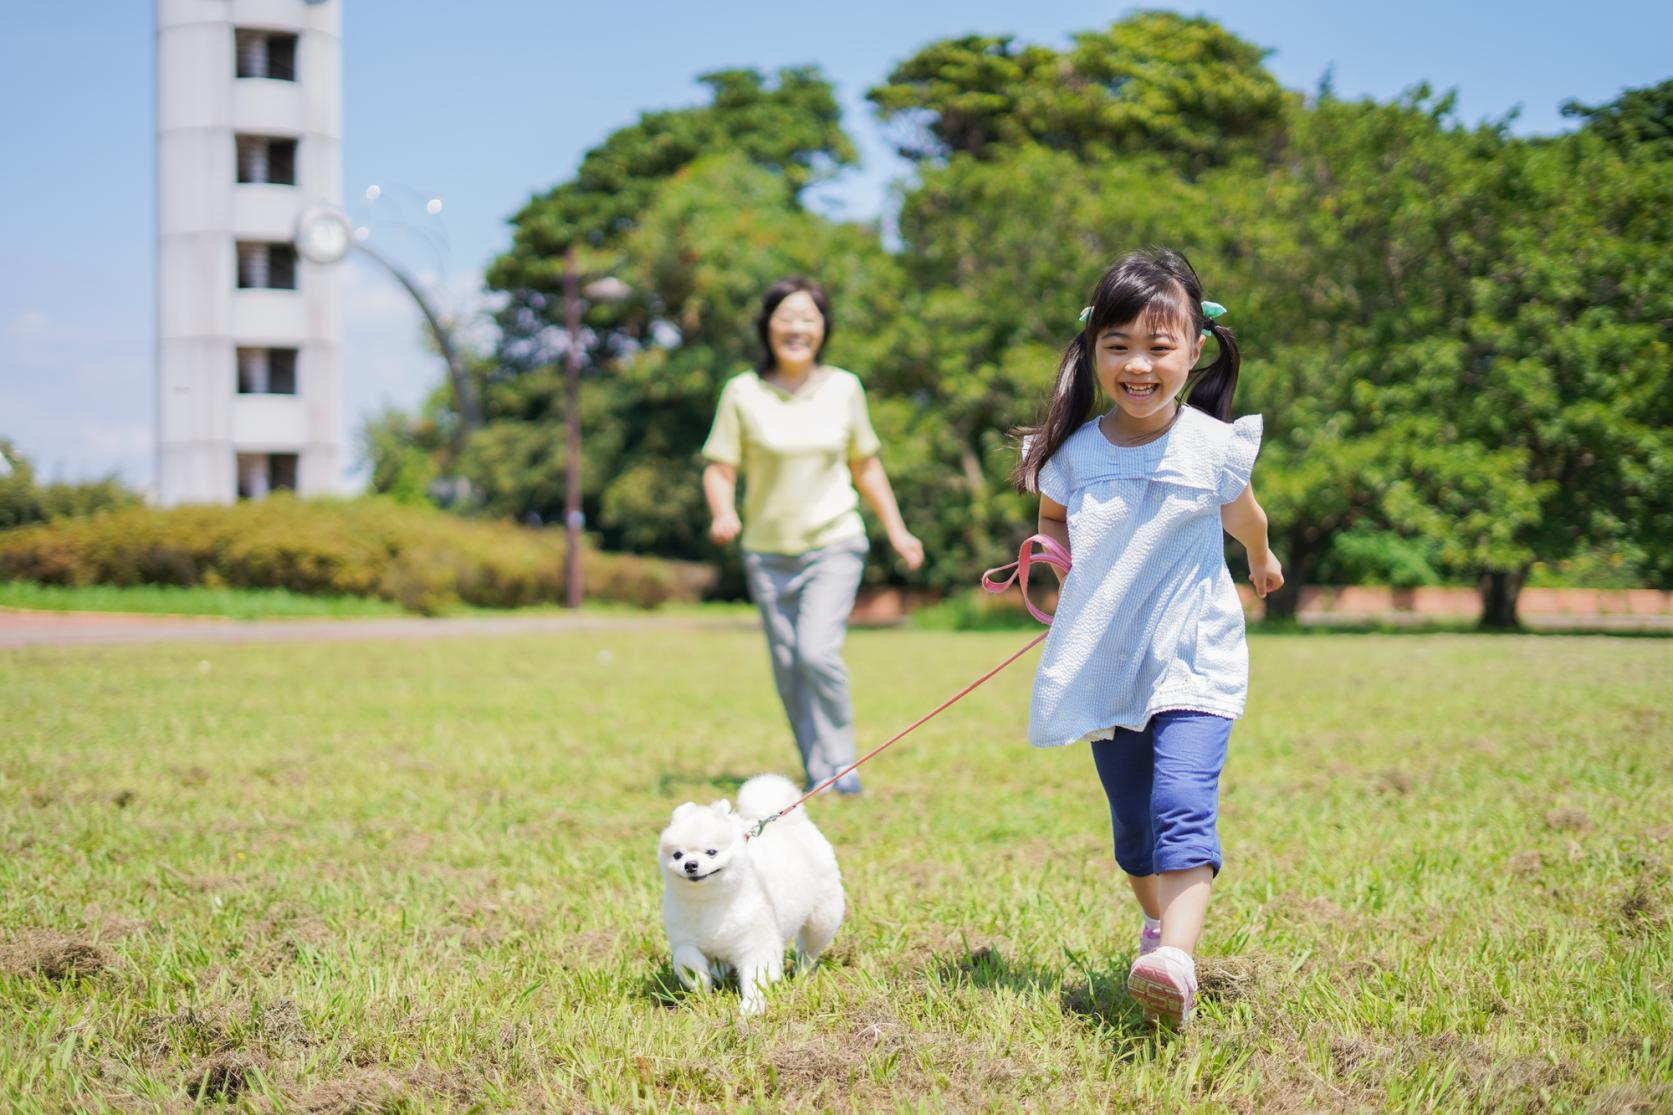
pixel 249 350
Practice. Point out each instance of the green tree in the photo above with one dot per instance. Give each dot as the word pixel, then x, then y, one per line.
pixel 1639 120
pixel 24 500
pixel 1565 360
pixel 1154 83
pixel 1368 236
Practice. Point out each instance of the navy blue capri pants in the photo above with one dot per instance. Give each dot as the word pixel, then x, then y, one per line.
pixel 1164 788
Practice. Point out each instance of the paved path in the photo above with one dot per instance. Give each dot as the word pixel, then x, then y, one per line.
pixel 59 629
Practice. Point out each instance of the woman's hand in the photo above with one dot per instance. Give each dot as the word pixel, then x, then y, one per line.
pixel 1265 573
pixel 911 550
pixel 725 527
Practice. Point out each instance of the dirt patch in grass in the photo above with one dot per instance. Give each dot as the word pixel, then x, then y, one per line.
pixel 591 947
pixel 284 934
pixel 1568 819
pixel 224 1077
pixel 1314 910
pixel 1633 1099
pixel 991 965
pixel 1230 978
pixel 1639 911
pixel 932 943
pixel 192 776
pixel 367 1091
pixel 116 926
pixel 809 1068
pixel 1392 781
pixel 1491 1077
pixel 875 1061
pixel 219 1031
pixel 53 956
pixel 379 1089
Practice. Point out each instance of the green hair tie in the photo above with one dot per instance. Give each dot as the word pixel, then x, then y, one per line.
pixel 1211 310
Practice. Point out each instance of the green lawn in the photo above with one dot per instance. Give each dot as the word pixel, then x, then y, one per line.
pixel 241 603
pixel 234 603
pixel 422 876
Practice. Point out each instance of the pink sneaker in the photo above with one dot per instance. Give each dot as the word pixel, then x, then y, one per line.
pixel 1164 983
pixel 1150 937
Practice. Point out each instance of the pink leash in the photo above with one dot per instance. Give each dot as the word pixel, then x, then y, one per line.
pixel 1051 554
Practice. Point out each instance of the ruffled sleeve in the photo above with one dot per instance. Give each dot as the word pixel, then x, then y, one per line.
pixel 1053 482
pixel 1242 446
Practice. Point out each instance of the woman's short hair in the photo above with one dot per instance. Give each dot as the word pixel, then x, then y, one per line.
pixel 777 293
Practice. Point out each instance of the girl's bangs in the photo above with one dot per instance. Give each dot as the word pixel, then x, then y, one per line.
pixel 1154 306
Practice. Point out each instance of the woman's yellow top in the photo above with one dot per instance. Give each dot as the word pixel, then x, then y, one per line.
pixel 793 450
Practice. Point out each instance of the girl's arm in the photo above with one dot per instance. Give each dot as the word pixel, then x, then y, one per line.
pixel 720 486
pixel 1245 520
pixel 873 483
pixel 1054 524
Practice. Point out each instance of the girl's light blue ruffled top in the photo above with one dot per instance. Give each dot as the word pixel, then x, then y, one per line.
pixel 1149 617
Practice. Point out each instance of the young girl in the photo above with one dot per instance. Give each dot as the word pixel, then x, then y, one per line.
pixel 1146 657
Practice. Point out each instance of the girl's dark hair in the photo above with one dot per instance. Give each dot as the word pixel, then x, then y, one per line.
pixel 1153 281
pixel 777 293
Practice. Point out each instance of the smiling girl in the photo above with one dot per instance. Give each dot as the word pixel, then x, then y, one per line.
pixel 1146 656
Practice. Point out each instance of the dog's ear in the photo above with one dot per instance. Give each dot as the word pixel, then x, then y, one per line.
pixel 723 807
pixel 685 810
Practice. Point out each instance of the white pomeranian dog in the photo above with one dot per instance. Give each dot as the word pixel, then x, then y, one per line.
pixel 735 903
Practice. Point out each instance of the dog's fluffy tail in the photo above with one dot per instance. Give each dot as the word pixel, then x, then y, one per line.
pixel 766 794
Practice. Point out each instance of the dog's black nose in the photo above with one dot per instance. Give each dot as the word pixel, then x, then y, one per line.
pixel 691 867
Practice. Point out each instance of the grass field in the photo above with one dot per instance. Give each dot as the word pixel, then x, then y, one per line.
pixel 421 876
pixel 253 604
pixel 234 603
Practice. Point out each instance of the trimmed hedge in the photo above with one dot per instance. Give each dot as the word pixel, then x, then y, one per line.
pixel 423 559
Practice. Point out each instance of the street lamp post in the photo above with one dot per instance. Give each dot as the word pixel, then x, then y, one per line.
pixel 604 289
pixel 323 235
pixel 572 436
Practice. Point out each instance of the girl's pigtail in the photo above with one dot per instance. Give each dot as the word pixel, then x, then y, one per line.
pixel 1210 390
pixel 1072 396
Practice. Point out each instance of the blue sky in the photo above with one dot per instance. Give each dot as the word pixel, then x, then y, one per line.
pixel 483 104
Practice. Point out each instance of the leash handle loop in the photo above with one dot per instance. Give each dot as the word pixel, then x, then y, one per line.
pixel 1051 553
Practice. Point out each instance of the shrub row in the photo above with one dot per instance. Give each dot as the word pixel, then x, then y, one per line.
pixel 425 560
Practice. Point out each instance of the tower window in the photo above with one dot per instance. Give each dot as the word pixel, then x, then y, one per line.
pixel 265 159
pixel 267 371
pixel 266 266
pixel 268 54
pixel 262 473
